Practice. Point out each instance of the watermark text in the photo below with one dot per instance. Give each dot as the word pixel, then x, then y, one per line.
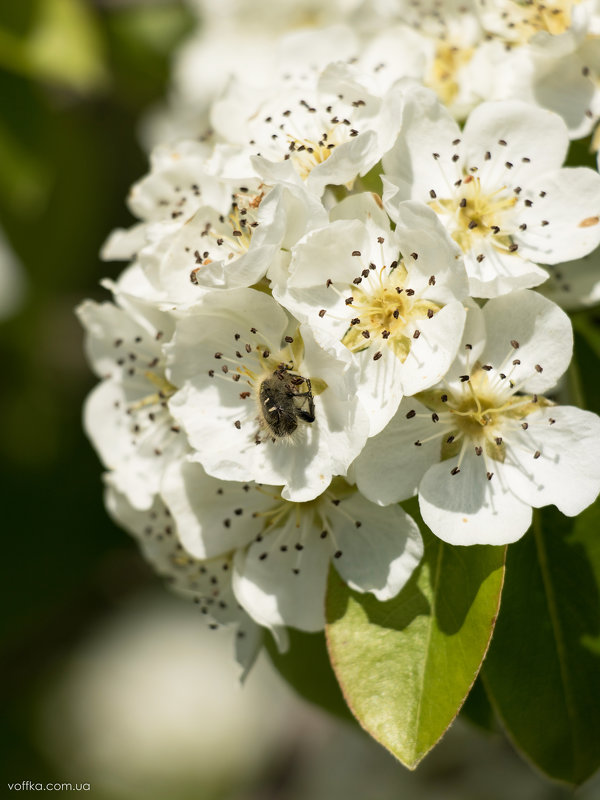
pixel 32 786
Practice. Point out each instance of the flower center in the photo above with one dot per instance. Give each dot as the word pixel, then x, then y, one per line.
pixel 282 397
pixel 298 524
pixel 230 237
pixel 386 311
pixel 526 18
pixel 306 154
pixel 442 76
pixel 474 213
pixel 484 413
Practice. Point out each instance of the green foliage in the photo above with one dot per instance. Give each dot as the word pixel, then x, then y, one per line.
pixel 68 155
pixel 406 666
pixel 306 667
pixel 62 45
pixel 477 708
pixel 543 669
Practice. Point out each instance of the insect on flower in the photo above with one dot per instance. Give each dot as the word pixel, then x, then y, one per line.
pixel 282 405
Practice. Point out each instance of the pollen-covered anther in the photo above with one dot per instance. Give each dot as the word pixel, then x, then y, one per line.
pixel 388 311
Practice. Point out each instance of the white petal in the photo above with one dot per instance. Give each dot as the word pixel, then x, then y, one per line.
pixel 427 128
pixel 390 467
pixel 380 555
pixel 473 342
pixel 528 131
pixel 562 85
pixel 108 432
pixel 347 161
pixel 467 508
pixel 363 207
pixel 543 332
pixel 214 320
pixel 110 330
pixel 567 471
pixel 379 386
pixel 176 172
pixel 248 644
pixel 212 516
pixel 564 224
pixel 419 230
pixel 123 244
pixel 327 254
pixel 220 415
pixel 434 351
pixel 494 271
pixel 272 593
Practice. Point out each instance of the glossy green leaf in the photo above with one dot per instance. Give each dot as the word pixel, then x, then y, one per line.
pixel 406 666
pixel 543 669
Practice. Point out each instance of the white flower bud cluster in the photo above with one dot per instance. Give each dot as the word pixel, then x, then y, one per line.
pixel 331 307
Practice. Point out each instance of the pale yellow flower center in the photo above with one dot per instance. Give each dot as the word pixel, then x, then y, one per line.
pixel 475 213
pixel 386 312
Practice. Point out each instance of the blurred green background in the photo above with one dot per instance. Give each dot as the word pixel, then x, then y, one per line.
pixel 81 611
pixel 75 77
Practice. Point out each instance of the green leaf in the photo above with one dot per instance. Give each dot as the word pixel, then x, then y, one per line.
pixel 406 666
pixel 543 669
pixel 581 153
pixel 305 666
pixel 63 46
pixel 24 178
pixel 585 366
pixel 585 323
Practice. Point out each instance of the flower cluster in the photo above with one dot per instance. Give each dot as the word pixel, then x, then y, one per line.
pixel 332 306
pixel 467 51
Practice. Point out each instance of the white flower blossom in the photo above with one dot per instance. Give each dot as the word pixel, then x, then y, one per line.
pixel 166 197
pixel 393 299
pixel 251 56
pixel 259 399
pixel 557 68
pixel 499 189
pixel 556 25
pixel 327 130
pixel 283 548
pixel 437 43
pixel 207 583
pixel 485 445
pixel 199 231
pixel 126 416
pixel 234 249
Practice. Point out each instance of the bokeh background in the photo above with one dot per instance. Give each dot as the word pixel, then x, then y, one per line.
pixel 107 679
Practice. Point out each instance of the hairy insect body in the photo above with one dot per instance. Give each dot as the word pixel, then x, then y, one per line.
pixel 281 403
